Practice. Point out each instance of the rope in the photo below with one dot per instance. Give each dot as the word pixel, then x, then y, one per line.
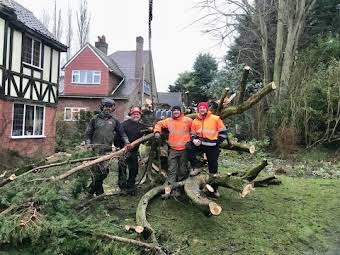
pixel 150 55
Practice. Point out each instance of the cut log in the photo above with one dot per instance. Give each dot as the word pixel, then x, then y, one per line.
pixel 250 148
pixel 240 108
pixel 193 191
pixel 137 229
pixel 100 159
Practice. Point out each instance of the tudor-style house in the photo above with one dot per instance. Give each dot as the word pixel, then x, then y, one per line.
pixel 29 75
pixel 91 75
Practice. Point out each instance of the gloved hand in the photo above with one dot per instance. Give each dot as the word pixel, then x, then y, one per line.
pixel 197 142
pixel 157 136
pixel 128 146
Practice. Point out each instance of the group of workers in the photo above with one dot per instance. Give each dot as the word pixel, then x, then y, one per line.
pixel 187 138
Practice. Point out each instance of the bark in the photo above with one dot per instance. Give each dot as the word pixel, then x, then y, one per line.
pixel 296 16
pixel 243 83
pixel 250 148
pixel 141 220
pixel 8 180
pixel 240 108
pixel 194 187
pixel 98 160
pixel 195 194
pixel 280 40
pixel 220 103
pixel 253 173
pixel 261 16
pixel 265 181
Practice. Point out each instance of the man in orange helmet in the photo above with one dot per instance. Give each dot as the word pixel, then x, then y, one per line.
pixel 134 130
pixel 179 134
pixel 207 132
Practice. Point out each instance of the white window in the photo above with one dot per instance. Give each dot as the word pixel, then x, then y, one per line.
pixel 86 77
pixel 31 51
pixel 73 113
pixel 28 121
pixel 147 88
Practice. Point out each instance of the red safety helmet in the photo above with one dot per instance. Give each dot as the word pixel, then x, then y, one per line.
pixel 135 109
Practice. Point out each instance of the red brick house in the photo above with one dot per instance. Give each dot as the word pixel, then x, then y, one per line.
pixel 91 75
pixel 29 76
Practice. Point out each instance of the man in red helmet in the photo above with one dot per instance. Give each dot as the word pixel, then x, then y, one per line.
pixel 134 130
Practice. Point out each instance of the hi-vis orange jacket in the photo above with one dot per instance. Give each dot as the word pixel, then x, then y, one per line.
pixel 179 131
pixel 210 130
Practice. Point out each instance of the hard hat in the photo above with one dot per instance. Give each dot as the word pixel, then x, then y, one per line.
pixel 135 109
pixel 108 102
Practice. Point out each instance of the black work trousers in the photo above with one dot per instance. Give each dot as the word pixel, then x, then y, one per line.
pixel 131 161
pixel 212 153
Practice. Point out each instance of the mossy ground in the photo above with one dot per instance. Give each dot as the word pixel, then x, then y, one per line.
pixel 300 216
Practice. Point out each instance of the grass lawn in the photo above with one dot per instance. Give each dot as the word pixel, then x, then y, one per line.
pixel 301 216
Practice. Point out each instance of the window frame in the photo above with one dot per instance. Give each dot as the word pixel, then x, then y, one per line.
pixel 32 51
pixel 148 90
pixel 94 73
pixel 23 136
pixel 73 110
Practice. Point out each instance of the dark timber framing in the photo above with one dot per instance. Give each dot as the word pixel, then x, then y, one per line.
pixel 33 85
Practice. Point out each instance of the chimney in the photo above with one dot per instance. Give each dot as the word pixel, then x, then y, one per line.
pixel 101 44
pixel 139 58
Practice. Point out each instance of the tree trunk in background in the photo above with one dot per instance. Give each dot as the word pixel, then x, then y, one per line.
pixel 296 13
pixel 262 22
pixel 280 38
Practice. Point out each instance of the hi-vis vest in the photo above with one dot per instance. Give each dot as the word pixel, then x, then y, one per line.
pixel 209 130
pixel 179 131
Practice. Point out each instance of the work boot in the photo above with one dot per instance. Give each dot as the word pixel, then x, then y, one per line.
pixel 131 190
pixel 195 171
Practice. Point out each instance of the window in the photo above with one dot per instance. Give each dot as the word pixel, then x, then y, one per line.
pixel 73 113
pixel 28 120
pixel 147 88
pixel 31 51
pixel 86 77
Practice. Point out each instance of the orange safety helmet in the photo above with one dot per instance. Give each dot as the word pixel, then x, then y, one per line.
pixel 135 109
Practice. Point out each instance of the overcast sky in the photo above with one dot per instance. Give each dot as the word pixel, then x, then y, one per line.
pixel 175 43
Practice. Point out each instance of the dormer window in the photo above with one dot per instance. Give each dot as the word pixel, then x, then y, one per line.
pixel 85 77
pixel 31 51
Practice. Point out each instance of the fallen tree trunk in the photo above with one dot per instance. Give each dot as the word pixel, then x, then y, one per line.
pixel 250 148
pixel 98 160
pixel 141 220
pixel 193 191
pixel 194 187
pixel 267 180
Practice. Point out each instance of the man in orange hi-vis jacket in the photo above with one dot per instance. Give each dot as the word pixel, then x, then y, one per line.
pixel 207 132
pixel 179 135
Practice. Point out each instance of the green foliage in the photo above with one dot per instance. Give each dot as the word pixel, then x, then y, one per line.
pixel 71 133
pixel 311 105
pixel 58 227
pixel 198 81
